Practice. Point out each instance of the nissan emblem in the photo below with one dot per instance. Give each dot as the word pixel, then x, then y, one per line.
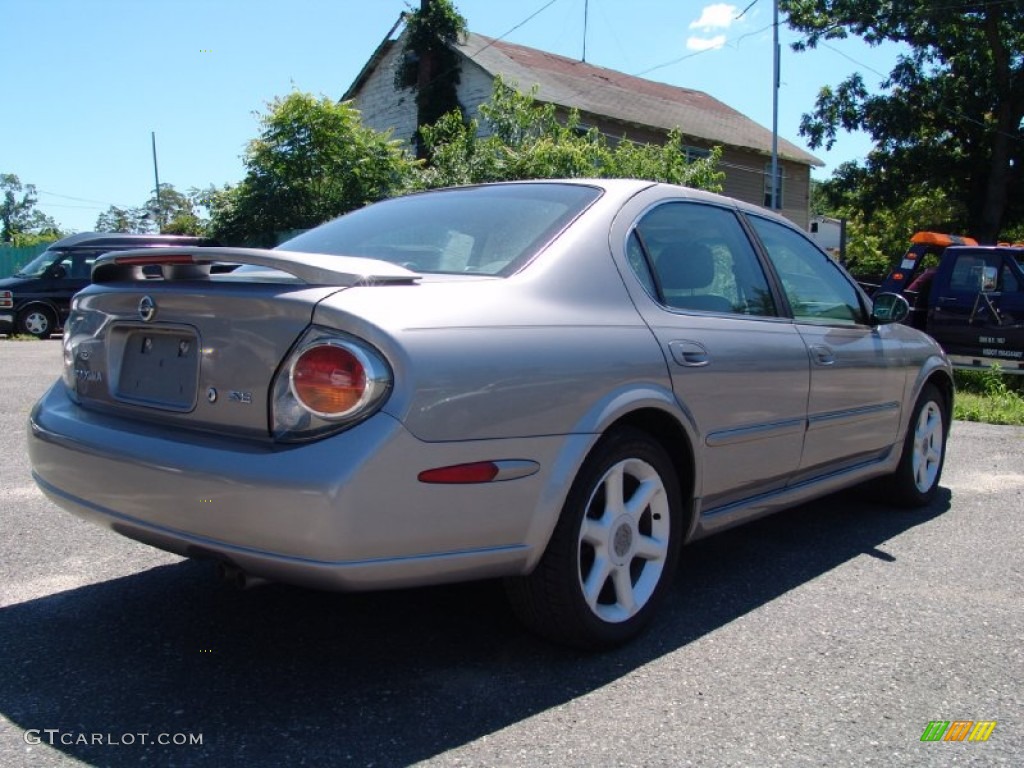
pixel 147 308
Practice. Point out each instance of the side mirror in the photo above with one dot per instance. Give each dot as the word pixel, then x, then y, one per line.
pixel 57 271
pixel 989 276
pixel 889 308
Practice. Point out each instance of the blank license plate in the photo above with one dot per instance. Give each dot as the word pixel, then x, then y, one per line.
pixel 160 369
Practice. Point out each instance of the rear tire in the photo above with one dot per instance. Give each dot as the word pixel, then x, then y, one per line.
pixel 613 552
pixel 916 479
pixel 37 321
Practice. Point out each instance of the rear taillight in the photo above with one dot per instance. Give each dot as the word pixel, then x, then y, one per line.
pixel 68 372
pixel 6 300
pixel 329 381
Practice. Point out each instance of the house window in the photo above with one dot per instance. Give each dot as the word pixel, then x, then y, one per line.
pixel 779 186
pixel 694 154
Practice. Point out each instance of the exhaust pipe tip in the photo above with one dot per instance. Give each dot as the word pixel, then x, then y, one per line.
pixel 237 578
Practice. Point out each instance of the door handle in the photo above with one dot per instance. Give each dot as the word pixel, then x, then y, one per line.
pixel 822 355
pixel 689 353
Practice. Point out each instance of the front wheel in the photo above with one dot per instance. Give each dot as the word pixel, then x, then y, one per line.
pixel 37 321
pixel 614 549
pixel 916 479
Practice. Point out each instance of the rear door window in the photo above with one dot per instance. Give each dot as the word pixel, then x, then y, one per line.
pixel 694 256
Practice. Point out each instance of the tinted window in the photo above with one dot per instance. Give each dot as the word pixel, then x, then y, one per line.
pixel 1008 282
pixel 817 290
pixel 696 256
pixel 38 265
pixel 968 272
pixel 986 271
pixel 490 230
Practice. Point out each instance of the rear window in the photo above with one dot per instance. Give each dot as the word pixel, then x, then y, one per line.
pixel 488 230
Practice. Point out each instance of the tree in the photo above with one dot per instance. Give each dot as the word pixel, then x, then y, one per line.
pixel 312 161
pixel 877 243
pixel 19 216
pixel 177 213
pixel 174 213
pixel 528 140
pixel 878 236
pixel 128 220
pixel 429 64
pixel 949 115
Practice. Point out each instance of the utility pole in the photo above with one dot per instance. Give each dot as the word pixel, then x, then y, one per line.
pixel 156 178
pixel 586 13
pixel 775 106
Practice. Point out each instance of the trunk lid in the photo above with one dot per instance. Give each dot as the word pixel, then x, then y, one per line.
pixel 200 352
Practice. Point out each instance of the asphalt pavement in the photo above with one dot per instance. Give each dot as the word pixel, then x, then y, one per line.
pixel 828 635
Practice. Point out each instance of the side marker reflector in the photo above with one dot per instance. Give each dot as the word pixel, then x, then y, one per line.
pixel 479 472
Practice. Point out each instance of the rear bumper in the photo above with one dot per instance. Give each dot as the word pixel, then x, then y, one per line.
pixel 346 512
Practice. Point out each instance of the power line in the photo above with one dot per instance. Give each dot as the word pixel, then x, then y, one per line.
pixel 742 13
pixel 67 205
pixel 69 197
pixel 740 39
pixel 509 32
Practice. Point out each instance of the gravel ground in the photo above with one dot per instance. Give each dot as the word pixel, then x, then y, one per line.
pixel 828 635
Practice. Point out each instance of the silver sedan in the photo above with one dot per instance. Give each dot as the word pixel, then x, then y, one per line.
pixel 559 383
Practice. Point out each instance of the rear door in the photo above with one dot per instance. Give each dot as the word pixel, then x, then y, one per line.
pixel 738 369
pixel 858 370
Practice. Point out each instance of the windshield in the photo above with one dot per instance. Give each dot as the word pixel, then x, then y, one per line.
pixel 488 230
pixel 38 265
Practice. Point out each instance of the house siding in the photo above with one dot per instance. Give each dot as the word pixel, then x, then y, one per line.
pixel 384 108
pixel 475 87
pixel 744 170
pixel 381 105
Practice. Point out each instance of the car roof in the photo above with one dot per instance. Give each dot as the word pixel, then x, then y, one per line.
pixel 634 186
pixel 120 239
pixel 1013 249
pixel 628 187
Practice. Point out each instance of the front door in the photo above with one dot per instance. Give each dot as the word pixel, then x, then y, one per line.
pixel 858 375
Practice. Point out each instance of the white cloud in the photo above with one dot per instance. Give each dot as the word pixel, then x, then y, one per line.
pixel 716 16
pixel 705 43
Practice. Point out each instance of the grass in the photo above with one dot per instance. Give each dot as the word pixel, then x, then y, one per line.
pixel 989 397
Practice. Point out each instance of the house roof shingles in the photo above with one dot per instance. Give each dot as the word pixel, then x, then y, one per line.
pixel 624 98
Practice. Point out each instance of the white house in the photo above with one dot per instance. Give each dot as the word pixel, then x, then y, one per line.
pixel 621 106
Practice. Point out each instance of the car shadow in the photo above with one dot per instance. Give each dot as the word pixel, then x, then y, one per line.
pixel 391 678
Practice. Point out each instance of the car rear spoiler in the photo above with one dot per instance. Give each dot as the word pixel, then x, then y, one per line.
pixel 194 263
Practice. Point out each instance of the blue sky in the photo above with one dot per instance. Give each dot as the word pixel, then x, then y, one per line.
pixel 87 81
